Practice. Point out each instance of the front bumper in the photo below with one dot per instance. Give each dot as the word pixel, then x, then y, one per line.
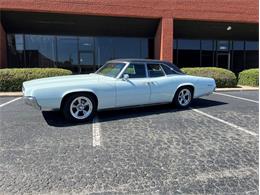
pixel 29 100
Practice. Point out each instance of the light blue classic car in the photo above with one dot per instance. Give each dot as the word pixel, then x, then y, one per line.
pixel 119 83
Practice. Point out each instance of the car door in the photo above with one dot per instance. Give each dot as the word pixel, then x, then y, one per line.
pixel 161 86
pixel 135 90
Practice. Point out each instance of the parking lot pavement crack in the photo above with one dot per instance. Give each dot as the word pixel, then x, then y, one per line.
pixel 237 173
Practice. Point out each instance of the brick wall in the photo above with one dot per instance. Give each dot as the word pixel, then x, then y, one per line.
pixel 164 40
pixel 221 10
pixel 166 10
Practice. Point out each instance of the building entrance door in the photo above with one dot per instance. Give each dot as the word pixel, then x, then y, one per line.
pixel 223 60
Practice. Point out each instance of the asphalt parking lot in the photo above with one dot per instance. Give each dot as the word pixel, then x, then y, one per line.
pixel 211 148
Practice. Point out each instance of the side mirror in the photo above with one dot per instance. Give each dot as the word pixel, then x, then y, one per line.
pixel 125 77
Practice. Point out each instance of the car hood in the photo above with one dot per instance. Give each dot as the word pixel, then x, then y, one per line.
pixel 65 79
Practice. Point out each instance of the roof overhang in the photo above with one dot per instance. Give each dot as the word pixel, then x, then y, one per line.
pixel 68 24
pixel 215 30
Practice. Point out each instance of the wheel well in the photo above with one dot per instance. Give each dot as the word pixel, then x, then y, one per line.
pixel 81 92
pixel 186 86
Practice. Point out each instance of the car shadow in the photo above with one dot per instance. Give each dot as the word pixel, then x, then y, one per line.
pixel 56 119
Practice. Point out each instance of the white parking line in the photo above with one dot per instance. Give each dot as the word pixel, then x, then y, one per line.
pixel 249 100
pixel 96 132
pixel 225 122
pixel 6 103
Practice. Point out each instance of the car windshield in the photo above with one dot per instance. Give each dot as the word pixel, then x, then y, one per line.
pixel 111 69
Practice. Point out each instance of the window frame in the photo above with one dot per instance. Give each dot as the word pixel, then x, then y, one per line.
pixel 174 72
pixel 120 72
pixel 147 63
pixel 128 64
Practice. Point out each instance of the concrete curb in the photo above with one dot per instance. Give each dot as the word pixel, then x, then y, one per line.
pixel 239 88
pixel 236 89
pixel 11 94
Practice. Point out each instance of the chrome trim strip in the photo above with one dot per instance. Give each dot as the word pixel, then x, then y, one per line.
pixel 31 101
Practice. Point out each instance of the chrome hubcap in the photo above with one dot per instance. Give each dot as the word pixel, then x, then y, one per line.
pixel 184 97
pixel 81 107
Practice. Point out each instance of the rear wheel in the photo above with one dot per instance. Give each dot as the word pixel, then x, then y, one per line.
pixel 183 97
pixel 79 107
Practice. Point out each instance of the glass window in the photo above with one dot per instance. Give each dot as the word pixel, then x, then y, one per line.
pixel 238 45
pixel 126 48
pixel 86 43
pixel 238 56
pixel 15 52
pixel 104 50
pixel 111 69
pixel 86 58
pixel 67 49
pixel 175 56
pixel 19 42
pixel 167 69
pixel 206 53
pixel 238 61
pixel 175 68
pixel 150 46
pixel 175 43
pixel 189 44
pixel 207 58
pixel 155 70
pixel 108 48
pixel 223 45
pixel 144 49
pixel 188 53
pixel 252 45
pixel 252 54
pixel 252 59
pixel 40 50
pixel 188 58
pixel 136 71
pixel 207 45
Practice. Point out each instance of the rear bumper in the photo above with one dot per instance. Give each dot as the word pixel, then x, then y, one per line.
pixel 31 101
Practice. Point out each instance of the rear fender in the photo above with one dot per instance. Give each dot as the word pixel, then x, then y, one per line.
pixel 185 84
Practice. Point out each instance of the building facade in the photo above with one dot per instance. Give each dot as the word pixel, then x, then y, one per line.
pixel 82 34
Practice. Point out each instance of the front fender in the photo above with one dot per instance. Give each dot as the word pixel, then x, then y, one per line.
pixel 105 95
pixel 75 91
pixel 80 90
pixel 50 99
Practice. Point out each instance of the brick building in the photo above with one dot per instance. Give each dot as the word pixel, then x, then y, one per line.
pixel 82 34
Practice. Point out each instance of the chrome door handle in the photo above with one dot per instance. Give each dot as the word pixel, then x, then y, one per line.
pixel 149 83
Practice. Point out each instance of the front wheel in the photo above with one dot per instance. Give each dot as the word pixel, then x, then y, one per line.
pixel 79 107
pixel 183 97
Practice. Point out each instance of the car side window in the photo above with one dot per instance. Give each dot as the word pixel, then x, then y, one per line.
pixel 155 70
pixel 167 69
pixel 136 71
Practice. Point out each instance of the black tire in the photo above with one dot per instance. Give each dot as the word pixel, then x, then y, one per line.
pixel 76 97
pixel 177 100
